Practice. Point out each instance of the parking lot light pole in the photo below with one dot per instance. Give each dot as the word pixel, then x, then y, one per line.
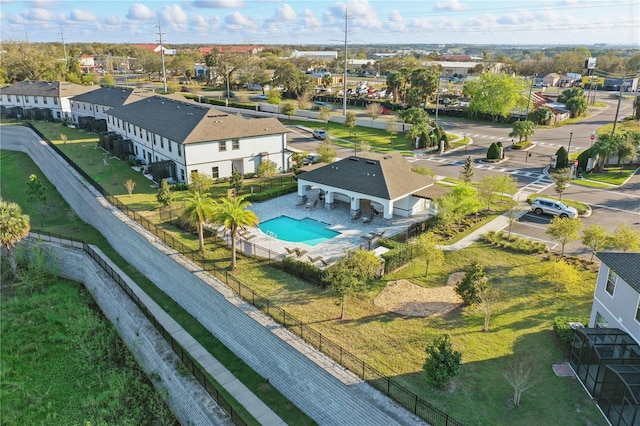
pixel 569 148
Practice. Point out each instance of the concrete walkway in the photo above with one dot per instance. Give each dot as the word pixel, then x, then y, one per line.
pixel 319 387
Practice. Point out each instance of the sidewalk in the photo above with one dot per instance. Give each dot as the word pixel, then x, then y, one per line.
pixel 319 387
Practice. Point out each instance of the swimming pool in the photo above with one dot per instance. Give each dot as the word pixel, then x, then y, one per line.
pixel 308 231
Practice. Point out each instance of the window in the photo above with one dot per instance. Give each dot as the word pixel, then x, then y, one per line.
pixel 161 143
pixel 179 151
pixel 44 100
pixel 611 281
pixel 182 175
pixel 169 145
pixel 235 144
pixel 35 99
pixel 601 322
pixel 638 311
pixel 9 98
pixel 215 173
pixel 18 98
pixel 55 101
pixel 223 146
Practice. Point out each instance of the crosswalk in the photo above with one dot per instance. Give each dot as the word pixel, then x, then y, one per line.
pixel 539 184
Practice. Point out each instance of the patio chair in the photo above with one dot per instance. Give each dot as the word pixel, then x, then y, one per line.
pixel 312 206
pixel 357 215
pixel 369 218
pixel 314 259
pixel 290 252
pixel 325 263
pixel 300 252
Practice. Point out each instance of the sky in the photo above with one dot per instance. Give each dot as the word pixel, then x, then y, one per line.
pixel 263 22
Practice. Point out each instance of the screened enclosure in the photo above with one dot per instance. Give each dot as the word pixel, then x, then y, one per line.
pixel 595 348
pixel 620 393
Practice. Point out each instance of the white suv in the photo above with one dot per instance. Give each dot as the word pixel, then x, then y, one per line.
pixel 320 134
pixel 553 207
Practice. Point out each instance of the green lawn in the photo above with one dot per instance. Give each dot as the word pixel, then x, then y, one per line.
pixel 59 218
pixel 394 344
pixel 610 175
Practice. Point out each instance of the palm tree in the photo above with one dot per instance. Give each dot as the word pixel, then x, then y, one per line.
pixel 232 213
pixel 605 146
pixel 199 208
pixel 14 226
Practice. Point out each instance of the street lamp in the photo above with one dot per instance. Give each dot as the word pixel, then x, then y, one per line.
pixel 465 143
pixel 569 148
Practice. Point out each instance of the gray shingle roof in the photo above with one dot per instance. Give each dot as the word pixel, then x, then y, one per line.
pixel 626 265
pixel 54 89
pixel 113 96
pixel 388 177
pixel 188 122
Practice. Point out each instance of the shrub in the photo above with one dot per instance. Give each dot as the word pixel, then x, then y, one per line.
pixel 493 153
pixel 563 330
pixel 305 270
pixel 442 362
pixel 521 145
pixel 249 175
pixel 275 192
pixel 180 186
pixel 562 160
pixel 515 243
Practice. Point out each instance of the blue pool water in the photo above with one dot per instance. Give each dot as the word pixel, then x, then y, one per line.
pixel 306 230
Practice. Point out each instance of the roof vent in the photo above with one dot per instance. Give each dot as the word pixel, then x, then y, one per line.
pixel 371 162
pixel 353 158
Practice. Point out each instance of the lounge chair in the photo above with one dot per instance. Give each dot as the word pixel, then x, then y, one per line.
pixel 290 252
pixel 324 262
pixel 369 218
pixel 377 234
pixel 314 259
pixel 311 206
pixel 357 215
pixel 299 252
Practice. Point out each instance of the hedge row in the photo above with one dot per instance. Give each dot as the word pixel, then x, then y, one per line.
pixel 275 192
pixel 564 332
pixel 304 270
pixel 518 244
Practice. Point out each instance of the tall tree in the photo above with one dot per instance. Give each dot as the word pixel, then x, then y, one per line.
pixel 14 226
pixel 164 195
pixel 391 128
pixel 595 237
pixel 624 238
pixel 495 94
pixel 37 193
pixel 426 246
pixel 561 179
pixel 200 182
pixel 473 281
pixel 523 129
pixel 487 300
pixel 564 230
pixel 349 274
pixel 233 214
pixel 291 79
pixel 199 208
pixel 467 171
pixel 327 152
pixel 606 146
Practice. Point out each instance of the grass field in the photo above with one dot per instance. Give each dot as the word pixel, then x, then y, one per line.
pixel 60 218
pixel 394 344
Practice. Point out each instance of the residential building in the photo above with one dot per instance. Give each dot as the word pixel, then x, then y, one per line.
pixel 252 50
pixel 198 138
pixel 616 300
pixel 40 99
pixel 385 184
pixel 97 102
pixel 315 54
pixel 155 48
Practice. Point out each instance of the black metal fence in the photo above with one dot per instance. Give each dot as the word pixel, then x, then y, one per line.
pixel 384 384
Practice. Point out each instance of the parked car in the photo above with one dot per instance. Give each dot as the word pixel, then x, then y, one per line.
pixel 229 94
pixel 317 105
pixel 310 159
pixel 553 207
pixel 386 111
pixel 258 98
pixel 320 134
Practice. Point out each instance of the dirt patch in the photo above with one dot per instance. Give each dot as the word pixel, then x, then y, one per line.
pixel 405 298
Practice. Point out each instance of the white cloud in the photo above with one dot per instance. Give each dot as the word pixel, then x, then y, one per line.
pixel 141 12
pixel 218 4
pixel 38 14
pixel 173 15
pixel 396 21
pixel 113 20
pixel 284 13
pixel 310 20
pixel 237 21
pixel 450 5
pixel 82 15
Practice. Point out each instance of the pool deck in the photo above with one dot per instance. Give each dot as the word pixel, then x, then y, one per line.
pixel 338 218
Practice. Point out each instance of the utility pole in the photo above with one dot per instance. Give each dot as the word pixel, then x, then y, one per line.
pixel 164 72
pixel 64 48
pixel 615 121
pixel 344 89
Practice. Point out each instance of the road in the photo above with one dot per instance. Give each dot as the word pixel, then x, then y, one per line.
pixel 610 207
